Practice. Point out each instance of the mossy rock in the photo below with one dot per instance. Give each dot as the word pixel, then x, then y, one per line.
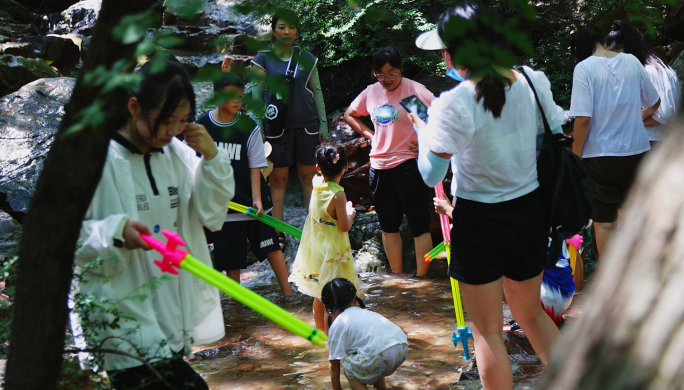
pixel 15 72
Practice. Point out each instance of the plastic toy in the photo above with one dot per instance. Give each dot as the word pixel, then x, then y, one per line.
pixel 434 252
pixel 464 332
pixel 177 258
pixel 267 219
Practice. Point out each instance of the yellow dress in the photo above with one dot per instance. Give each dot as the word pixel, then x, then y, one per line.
pixel 324 252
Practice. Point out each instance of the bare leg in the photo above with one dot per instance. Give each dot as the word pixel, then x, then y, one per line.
pixel 306 174
pixel 234 274
pixel 319 314
pixel 603 233
pixel 380 384
pixel 277 181
pixel 280 270
pixel 356 385
pixel 523 299
pixel 392 244
pixel 483 304
pixel 423 245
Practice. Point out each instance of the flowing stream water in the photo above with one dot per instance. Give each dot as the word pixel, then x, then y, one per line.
pixel 258 354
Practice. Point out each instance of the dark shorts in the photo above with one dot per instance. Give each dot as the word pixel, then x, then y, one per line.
pixel 489 241
pixel 175 371
pixel 400 191
pixel 293 145
pixel 611 179
pixel 230 243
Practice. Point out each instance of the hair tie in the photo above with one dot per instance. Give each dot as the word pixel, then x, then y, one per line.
pixel 336 159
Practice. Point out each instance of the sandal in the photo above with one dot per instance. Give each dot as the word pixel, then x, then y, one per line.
pixel 282 241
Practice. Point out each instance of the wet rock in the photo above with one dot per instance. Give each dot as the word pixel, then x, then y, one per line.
pixel 82 15
pixel 85 45
pixel 12 10
pixel 220 13
pixel 37 43
pixel 17 71
pixel 245 367
pixel 23 49
pixel 61 50
pixel 29 119
pixel 10 232
pixel 516 342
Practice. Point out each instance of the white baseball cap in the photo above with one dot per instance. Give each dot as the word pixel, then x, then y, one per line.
pixel 430 40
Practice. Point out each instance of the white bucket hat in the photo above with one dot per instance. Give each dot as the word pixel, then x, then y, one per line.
pixel 430 40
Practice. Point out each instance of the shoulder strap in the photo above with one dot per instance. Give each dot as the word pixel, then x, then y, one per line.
pixel 547 129
pixel 294 59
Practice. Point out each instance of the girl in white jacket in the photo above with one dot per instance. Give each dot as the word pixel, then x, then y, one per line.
pixel 152 182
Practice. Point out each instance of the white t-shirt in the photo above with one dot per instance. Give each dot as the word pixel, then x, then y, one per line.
pixel 666 82
pixel 156 187
pixel 362 332
pixel 494 159
pixel 612 91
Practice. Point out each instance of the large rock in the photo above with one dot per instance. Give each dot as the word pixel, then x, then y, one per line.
pixel 29 119
pixel 82 15
pixel 220 13
pixel 18 71
pixel 61 50
pixel 22 49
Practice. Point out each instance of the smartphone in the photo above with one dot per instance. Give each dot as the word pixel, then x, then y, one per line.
pixel 414 105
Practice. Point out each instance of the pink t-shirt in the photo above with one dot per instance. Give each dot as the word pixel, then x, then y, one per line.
pixel 393 130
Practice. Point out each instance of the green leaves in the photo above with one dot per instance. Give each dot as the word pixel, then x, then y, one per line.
pixel 132 28
pixel 186 9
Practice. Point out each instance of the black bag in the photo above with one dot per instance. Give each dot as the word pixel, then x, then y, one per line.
pixel 279 95
pixel 565 185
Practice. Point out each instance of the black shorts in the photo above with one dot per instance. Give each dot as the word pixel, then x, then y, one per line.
pixel 230 243
pixel 611 179
pixel 293 145
pixel 175 371
pixel 489 241
pixel 398 191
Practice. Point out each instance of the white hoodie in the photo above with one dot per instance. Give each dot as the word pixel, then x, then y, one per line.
pixel 205 189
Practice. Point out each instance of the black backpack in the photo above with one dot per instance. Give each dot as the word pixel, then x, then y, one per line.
pixel 565 185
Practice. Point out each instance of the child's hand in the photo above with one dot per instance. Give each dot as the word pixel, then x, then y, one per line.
pixel 443 206
pixel 415 120
pixel 350 209
pixel 131 235
pixel 258 206
pixel 199 139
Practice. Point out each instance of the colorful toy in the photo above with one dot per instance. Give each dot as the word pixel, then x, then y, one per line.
pixel 267 219
pixel 464 332
pixel 434 252
pixel 178 258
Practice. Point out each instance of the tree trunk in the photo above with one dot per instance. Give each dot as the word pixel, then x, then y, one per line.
pixel 63 193
pixel 631 334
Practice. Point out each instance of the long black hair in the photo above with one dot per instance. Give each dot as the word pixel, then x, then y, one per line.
pixel 624 36
pixel 164 88
pixel 331 158
pixel 583 43
pixel 461 26
pixel 337 294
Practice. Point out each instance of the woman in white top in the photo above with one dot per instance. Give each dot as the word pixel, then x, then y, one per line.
pixel 487 127
pixel 625 38
pixel 608 91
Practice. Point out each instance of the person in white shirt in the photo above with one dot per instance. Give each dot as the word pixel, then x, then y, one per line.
pixel 608 91
pixel 625 38
pixel 367 346
pixel 151 182
pixel 487 128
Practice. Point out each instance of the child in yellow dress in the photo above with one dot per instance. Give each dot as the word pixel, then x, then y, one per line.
pixel 325 252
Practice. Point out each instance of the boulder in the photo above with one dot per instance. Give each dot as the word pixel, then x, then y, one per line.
pixel 29 120
pixel 61 50
pixel 82 15
pixel 18 71
pixel 438 84
pixel 37 43
pixel 220 13
pixel 23 49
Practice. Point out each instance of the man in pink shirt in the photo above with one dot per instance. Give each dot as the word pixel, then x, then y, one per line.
pixel 396 185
